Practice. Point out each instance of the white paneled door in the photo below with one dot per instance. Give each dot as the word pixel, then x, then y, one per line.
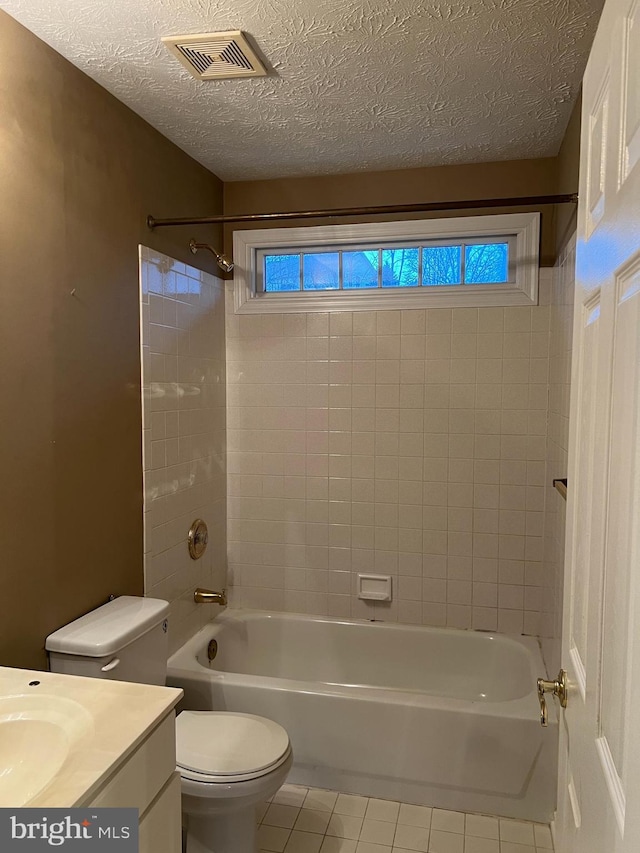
pixel 599 784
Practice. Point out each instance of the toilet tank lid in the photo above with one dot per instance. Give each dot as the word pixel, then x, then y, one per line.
pixel 108 628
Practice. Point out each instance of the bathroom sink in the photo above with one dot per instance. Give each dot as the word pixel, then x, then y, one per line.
pixel 38 732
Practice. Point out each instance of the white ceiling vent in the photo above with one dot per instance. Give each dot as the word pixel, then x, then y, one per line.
pixel 216 56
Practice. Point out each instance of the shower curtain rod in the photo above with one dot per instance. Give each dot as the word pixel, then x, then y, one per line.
pixel 427 207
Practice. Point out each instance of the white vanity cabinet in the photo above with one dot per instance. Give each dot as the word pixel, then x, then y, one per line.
pixel 148 781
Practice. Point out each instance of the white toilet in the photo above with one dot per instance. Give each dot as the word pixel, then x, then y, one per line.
pixel 228 762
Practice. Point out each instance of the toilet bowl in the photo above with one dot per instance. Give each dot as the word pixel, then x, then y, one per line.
pixel 228 763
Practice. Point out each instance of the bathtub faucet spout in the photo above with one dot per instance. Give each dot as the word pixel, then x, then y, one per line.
pixel 207 596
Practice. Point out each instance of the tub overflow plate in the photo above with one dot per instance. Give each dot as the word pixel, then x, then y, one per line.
pixel 198 539
pixel 212 649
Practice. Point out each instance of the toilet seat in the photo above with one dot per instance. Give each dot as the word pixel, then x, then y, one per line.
pixel 222 747
pixel 209 779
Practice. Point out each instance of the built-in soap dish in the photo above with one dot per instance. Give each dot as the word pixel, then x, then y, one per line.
pixel 374 587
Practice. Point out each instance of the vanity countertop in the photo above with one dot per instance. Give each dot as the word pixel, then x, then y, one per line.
pixel 106 719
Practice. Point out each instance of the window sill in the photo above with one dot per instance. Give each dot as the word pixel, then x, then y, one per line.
pixel 469 296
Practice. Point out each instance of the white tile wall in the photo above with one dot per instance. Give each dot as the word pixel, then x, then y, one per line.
pixel 548 591
pixel 183 380
pixel 411 443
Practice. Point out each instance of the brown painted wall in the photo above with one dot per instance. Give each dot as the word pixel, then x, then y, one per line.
pixel 407 186
pixel 568 168
pixel 79 172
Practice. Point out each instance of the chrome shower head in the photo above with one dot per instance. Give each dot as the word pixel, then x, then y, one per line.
pixel 225 264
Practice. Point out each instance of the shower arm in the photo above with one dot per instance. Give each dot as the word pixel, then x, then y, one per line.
pixel 225 263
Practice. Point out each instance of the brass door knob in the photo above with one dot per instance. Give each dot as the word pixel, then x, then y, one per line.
pixel 557 688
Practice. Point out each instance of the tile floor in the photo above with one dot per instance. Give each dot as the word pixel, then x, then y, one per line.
pixel 309 820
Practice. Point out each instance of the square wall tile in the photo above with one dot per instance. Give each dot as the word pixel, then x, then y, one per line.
pixel 410 436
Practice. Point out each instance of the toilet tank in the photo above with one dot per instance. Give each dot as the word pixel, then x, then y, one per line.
pixel 125 640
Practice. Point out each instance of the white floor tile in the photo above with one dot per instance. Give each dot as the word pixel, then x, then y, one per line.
pixel 383 810
pixel 322 801
pixel 414 815
pixel 377 832
pixel 411 837
pixel 273 838
pixel 472 844
pixel 543 837
pixel 512 847
pixel 517 831
pixel 446 842
pixel 338 845
pixel 280 816
pixel 481 826
pixel 351 805
pixel 290 795
pixel 447 821
pixel 303 842
pixel 345 826
pixel 310 820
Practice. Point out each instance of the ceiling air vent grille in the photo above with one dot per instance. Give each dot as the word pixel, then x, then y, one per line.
pixel 216 56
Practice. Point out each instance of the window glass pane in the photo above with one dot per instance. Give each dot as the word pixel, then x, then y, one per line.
pixel 321 271
pixel 441 265
pixel 281 273
pixel 400 267
pixel 486 263
pixel 359 269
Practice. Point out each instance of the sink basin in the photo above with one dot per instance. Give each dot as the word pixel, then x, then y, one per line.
pixel 38 732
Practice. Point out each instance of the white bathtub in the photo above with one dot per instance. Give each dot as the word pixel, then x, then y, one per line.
pixel 436 716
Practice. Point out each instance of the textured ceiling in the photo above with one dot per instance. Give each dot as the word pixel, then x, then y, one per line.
pixel 354 84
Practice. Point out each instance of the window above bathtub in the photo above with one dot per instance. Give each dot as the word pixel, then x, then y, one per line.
pixel 438 263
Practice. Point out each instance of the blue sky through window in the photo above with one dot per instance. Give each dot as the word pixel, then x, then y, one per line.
pixel 321 271
pixel 360 269
pixel 282 273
